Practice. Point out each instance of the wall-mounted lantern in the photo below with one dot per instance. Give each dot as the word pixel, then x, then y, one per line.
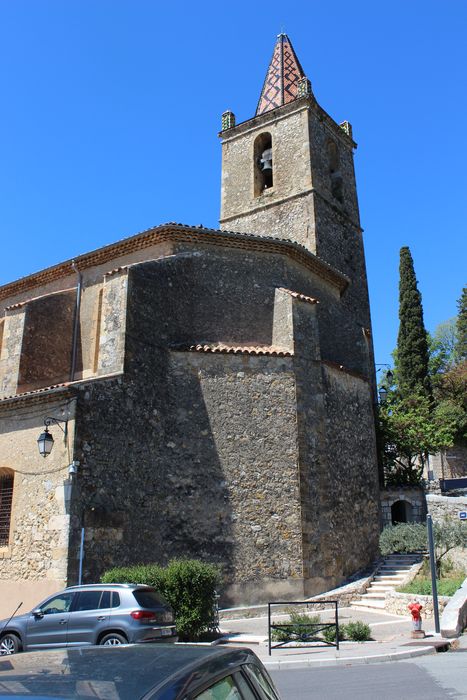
pixel 45 441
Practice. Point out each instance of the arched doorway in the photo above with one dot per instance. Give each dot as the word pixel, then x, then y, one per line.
pixel 401 512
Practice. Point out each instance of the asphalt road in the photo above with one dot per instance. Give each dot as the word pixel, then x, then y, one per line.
pixel 434 677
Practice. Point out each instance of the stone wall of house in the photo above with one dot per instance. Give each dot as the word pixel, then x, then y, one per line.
pixel 34 563
pixel 447 508
pixel 451 464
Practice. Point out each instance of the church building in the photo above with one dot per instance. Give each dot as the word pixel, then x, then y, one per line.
pixel 202 393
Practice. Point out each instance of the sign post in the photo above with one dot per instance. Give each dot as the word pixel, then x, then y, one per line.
pixel 434 587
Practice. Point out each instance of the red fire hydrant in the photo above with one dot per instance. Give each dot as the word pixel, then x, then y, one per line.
pixel 415 609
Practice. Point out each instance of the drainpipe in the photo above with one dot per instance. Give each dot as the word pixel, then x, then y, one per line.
pixel 74 346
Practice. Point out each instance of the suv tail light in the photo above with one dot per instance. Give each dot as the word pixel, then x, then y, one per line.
pixel 149 616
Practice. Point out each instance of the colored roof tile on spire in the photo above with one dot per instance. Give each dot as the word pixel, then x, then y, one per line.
pixel 284 72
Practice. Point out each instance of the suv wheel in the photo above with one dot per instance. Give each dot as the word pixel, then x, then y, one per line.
pixel 113 639
pixel 9 644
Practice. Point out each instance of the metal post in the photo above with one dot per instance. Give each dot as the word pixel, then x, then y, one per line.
pixel 337 628
pixel 269 628
pixel 81 556
pixel 434 587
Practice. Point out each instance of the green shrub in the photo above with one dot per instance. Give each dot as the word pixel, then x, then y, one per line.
pixel 187 585
pixel 302 623
pixel 329 633
pixel 357 631
pixel 404 537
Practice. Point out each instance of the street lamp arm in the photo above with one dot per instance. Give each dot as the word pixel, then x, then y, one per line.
pixel 57 421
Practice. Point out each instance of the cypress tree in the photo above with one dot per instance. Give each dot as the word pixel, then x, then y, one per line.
pixel 461 327
pixel 412 342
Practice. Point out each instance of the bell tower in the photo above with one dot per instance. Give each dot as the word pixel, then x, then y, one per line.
pixel 288 173
pixel 277 165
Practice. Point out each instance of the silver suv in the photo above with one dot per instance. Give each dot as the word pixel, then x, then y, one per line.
pixel 109 614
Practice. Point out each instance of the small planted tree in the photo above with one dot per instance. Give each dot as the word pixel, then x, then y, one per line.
pixel 413 537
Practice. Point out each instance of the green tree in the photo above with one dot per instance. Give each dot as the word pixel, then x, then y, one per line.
pixel 442 347
pixel 408 433
pixel 461 344
pixel 412 343
pixel 451 402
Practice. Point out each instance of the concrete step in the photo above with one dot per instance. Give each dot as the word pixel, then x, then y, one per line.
pixel 388 568
pixel 365 603
pixel 374 596
pixel 389 579
pixel 375 587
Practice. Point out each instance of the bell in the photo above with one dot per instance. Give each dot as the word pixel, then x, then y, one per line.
pixel 266 159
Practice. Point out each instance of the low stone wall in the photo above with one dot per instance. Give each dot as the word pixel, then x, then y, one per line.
pixel 443 508
pixel 454 617
pixel 396 603
pixel 344 595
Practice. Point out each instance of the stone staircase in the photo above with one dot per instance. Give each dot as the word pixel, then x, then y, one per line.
pixel 390 574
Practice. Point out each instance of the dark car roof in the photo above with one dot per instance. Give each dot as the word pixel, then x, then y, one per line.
pixel 120 672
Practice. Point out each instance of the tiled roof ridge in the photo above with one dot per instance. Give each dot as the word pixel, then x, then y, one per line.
pixel 224 348
pixel 55 388
pixel 346 370
pixel 37 394
pixel 299 295
pixel 169 231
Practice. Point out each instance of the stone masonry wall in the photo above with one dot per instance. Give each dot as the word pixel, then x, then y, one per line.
pixel 34 563
pixel 349 525
pixel 198 461
pixel 193 453
pixel 443 508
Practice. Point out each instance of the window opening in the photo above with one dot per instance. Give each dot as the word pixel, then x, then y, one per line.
pixel 263 165
pixel 6 500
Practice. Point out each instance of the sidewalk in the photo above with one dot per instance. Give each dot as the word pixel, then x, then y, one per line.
pixel 391 635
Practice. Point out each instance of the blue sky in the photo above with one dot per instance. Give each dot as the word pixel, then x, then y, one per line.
pixel 111 108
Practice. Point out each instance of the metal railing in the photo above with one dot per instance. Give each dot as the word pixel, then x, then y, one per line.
pixel 302 633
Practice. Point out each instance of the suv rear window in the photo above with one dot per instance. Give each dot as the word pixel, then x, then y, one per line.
pixel 149 598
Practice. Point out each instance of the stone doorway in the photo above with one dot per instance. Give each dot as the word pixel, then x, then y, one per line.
pixel 401 512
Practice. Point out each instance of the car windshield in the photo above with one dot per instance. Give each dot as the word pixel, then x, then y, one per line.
pixel 149 598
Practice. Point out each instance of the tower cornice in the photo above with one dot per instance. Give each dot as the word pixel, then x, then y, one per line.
pixel 307 103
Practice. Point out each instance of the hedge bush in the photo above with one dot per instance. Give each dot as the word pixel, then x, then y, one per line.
pixel 329 634
pixel 302 624
pixel 357 631
pixel 187 585
pixel 403 538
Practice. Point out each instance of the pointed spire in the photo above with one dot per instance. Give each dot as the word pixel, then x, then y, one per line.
pixel 285 79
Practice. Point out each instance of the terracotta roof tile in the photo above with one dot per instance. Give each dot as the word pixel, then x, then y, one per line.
pixel 298 295
pixel 265 350
pixel 116 270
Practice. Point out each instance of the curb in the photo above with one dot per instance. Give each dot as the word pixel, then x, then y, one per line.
pixel 348 660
